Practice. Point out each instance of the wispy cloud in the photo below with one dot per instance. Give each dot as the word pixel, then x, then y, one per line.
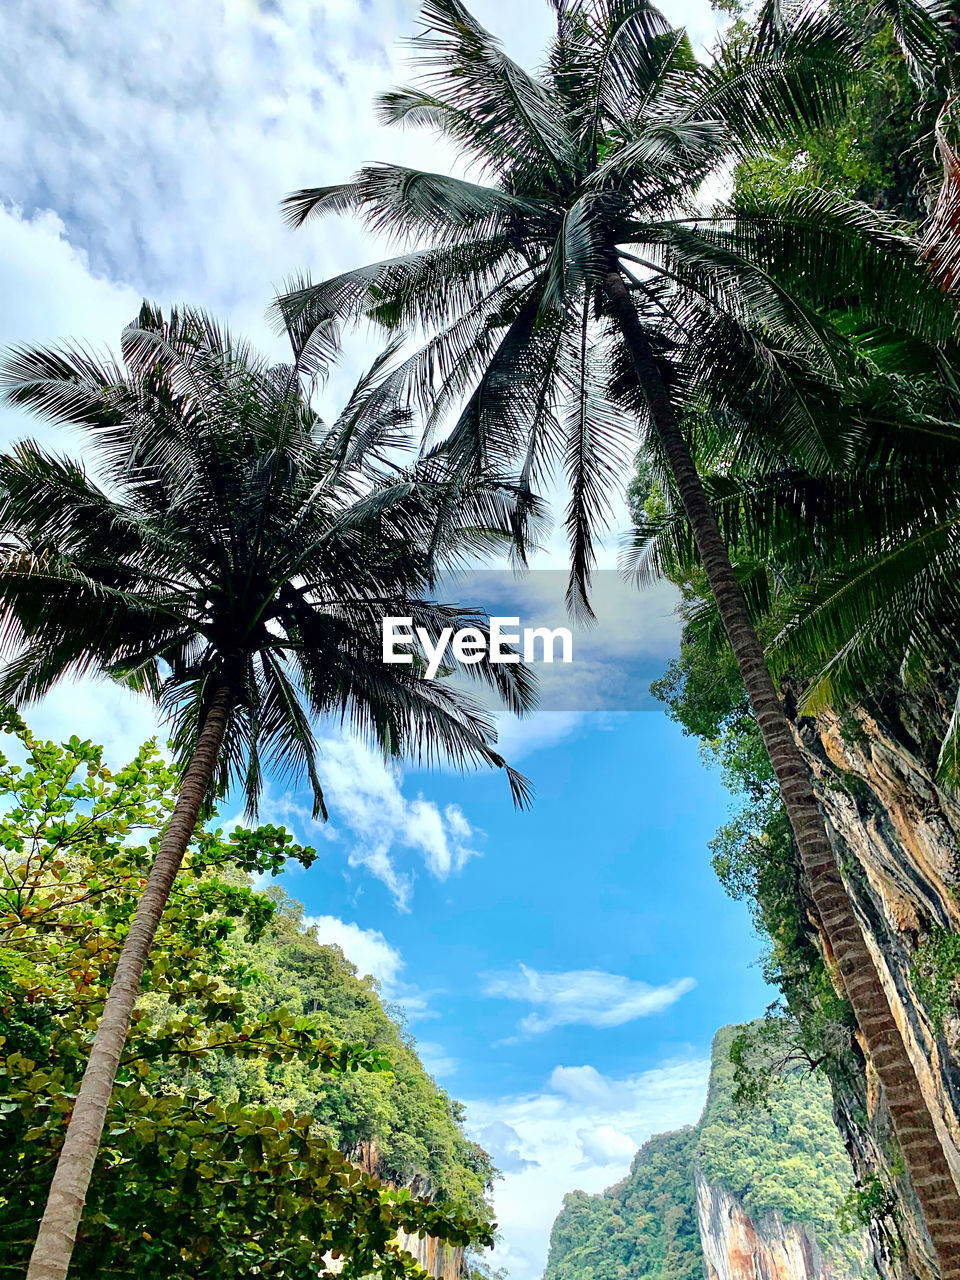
pixel 436 1060
pixel 582 997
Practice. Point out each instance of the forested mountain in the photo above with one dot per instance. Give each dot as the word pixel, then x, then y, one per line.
pixel 756 1188
pixel 398 1123
pixel 646 1225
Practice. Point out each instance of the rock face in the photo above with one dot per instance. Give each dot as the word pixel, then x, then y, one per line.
pixel 442 1261
pixel 735 1247
pixel 749 1194
pixel 897 837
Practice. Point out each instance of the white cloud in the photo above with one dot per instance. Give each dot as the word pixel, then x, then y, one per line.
pixel 503 1143
pixel 375 957
pixel 586 1087
pixel 368 949
pixel 613 657
pixel 167 136
pixel 604 1146
pixel 100 711
pixel 368 806
pixel 51 293
pixel 582 997
pixel 517 739
pixel 580 1131
pixel 436 1059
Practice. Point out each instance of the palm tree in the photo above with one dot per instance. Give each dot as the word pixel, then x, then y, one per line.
pixel 235 564
pixel 578 277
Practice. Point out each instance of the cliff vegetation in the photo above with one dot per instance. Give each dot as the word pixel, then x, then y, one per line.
pixel 775 1166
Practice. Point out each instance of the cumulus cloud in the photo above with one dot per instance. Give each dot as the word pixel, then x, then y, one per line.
pixel 604 1146
pixel 376 819
pixel 57 294
pixel 375 957
pixel 582 997
pixel 368 949
pixel 102 712
pixel 166 136
pixel 580 1131
pixel 504 1144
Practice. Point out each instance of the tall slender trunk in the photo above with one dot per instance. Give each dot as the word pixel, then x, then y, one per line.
pixel 922 1151
pixel 61 1217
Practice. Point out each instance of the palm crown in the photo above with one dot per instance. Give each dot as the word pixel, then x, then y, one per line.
pixel 592 167
pixel 237 538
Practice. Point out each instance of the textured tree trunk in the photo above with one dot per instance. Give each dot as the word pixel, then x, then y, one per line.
pixel 58 1229
pixel 922 1151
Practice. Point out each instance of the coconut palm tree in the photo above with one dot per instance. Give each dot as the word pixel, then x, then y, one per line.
pixel 578 276
pixel 235 563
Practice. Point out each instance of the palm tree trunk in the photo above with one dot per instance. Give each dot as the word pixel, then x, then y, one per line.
pixel 922 1151
pixel 58 1229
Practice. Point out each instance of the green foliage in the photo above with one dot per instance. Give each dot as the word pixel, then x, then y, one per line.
pixel 782 1157
pixel 874 152
pixel 866 1205
pixel 646 1225
pixel 194 1179
pixel 936 973
pixel 753 852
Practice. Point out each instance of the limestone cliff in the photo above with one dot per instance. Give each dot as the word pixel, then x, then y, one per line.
pixel 772 1179
pixel 896 835
pixel 439 1260
pixel 738 1247
pixel 749 1194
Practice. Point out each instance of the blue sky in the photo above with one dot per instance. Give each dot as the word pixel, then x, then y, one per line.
pixel 563 970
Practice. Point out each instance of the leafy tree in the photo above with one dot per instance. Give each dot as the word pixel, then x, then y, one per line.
pixel 236 567
pixel 874 152
pixel 189 1183
pixel 578 280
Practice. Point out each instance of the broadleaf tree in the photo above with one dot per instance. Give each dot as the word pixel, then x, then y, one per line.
pixel 188 1182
